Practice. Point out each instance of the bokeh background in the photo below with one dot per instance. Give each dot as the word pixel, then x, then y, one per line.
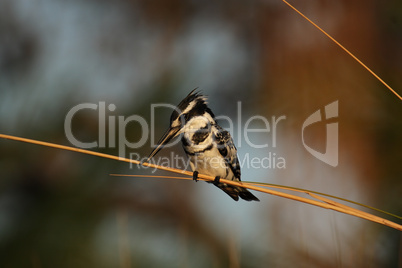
pixel 63 209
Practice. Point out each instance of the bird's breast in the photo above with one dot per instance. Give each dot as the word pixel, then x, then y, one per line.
pixel 210 162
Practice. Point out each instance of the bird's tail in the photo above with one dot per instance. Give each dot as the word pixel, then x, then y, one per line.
pixel 235 191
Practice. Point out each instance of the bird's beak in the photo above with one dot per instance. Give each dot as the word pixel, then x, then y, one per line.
pixel 169 134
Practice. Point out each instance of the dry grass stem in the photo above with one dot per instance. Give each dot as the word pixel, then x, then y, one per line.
pixel 344 49
pixel 324 202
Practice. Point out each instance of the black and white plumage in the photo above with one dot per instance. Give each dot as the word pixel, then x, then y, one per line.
pixel 210 148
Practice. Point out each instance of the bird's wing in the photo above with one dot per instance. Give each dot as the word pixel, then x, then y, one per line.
pixel 227 149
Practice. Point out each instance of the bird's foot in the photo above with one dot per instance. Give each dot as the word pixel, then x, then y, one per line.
pixel 195 176
pixel 217 180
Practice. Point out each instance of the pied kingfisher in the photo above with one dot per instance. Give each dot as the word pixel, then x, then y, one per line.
pixel 210 148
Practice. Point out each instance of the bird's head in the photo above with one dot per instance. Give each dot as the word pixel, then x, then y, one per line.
pixel 192 106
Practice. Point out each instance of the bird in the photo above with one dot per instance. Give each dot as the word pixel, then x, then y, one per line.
pixel 210 148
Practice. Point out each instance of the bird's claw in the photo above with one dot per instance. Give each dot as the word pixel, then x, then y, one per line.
pixel 195 176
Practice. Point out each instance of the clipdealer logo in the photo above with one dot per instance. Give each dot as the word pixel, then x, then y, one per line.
pixel 115 126
pixel 330 112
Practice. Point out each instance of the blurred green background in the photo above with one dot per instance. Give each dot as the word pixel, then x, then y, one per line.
pixel 63 209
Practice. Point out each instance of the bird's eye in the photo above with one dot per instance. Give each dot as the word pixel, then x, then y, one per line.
pixel 183 118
